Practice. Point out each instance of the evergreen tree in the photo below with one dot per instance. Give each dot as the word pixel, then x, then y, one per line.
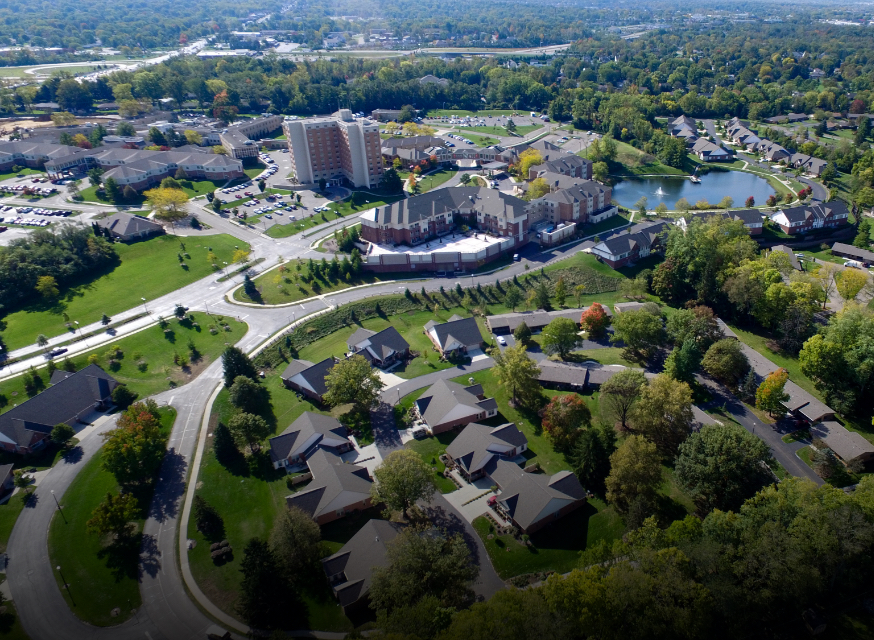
pixel 236 363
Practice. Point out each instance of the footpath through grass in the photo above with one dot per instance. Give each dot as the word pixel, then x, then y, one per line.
pixel 148 269
pixel 146 361
pixel 102 576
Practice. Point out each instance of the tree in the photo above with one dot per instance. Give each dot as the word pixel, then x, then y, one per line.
pixel 322 184
pixel 750 202
pixel 591 457
pixel 207 519
pixel 464 179
pixel 619 393
pixel 850 282
pixel 236 363
pixel 826 275
pixel 391 182
pixel 635 472
pixel 402 479
pixel 353 380
pixel 640 332
pixel 770 394
pixel 192 137
pixel 42 341
pixel 537 189
pixel 522 334
pixel 698 325
pixel 863 234
pixel 726 203
pixel 633 288
pixel 123 397
pixel 105 319
pixel 62 434
pixel 262 185
pixel 663 414
pixel 157 136
pixel 560 292
pixel 840 362
pixel 640 205
pixel 682 205
pixel 594 320
pixel 420 563
pixel 513 297
pixel 684 361
pixel 579 290
pixel 518 373
pixel 560 336
pixel 296 544
pixel 749 386
pixel 519 614
pixel 722 466
pixel 563 418
pixel 113 191
pixel 114 515
pixel 63 119
pixel 94 176
pixel 133 451
pixel 247 395
pixel 527 159
pixel 263 601
pixel 170 183
pixel 248 430
pixel 600 172
pixel 168 204
pixel 726 361
pixel 21 481
pixel 47 287
pixel 541 296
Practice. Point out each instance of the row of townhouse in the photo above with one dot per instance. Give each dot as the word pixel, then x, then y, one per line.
pixel 141 169
pixel 739 133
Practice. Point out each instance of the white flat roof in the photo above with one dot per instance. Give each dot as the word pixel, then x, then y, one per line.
pixel 461 244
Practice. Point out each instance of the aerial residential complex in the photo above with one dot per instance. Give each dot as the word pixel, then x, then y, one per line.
pixel 336 148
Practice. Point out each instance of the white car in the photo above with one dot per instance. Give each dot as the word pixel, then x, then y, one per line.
pixel 502 341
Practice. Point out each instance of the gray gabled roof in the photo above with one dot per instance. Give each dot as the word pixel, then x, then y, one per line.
pixel 788 251
pixel 441 201
pixel 446 401
pixel 821 211
pixel 69 396
pixel 478 445
pixel 303 430
pixel 534 319
pixel 853 252
pixel 379 345
pixel 354 563
pixel 526 495
pixel 845 443
pixel 331 479
pixel 125 224
pixel 314 374
pixel 464 331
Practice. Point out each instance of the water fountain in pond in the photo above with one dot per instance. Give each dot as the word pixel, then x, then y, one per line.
pixel 659 192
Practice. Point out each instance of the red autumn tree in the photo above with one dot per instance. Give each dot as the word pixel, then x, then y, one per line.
pixel 563 419
pixel 595 320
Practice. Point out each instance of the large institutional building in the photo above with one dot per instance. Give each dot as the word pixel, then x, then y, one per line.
pixel 336 148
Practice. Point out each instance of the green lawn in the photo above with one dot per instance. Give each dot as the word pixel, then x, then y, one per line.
pixel 358 202
pixel 431 449
pixel 254 172
pixel 89 194
pixel 286 290
pixel 632 161
pixel 9 512
pixel 610 223
pixel 480 141
pixel 521 129
pixel 557 547
pixel 147 357
pixel 26 171
pixel 436 179
pixel 100 576
pixel 249 502
pixel 152 267
pixel 409 325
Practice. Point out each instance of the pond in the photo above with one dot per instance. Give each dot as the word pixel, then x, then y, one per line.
pixel 713 188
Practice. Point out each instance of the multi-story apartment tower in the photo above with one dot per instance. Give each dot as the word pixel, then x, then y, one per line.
pixel 337 148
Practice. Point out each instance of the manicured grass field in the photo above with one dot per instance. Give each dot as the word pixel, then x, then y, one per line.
pixel 409 325
pixel 630 161
pixel 147 269
pixel 9 512
pixel 26 171
pixel 89 194
pixel 100 576
pixel 357 203
pixel 610 223
pixel 434 180
pixel 521 129
pixel 286 290
pixel 431 449
pixel 254 172
pixel 556 547
pixel 147 362
pixel 479 141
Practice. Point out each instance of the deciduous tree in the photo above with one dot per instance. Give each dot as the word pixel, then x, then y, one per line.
pixel 114 515
pixel 770 395
pixel 594 320
pixel 517 373
pixel 236 363
pixel 641 333
pixel 402 479
pixel 563 419
pixel 663 414
pixel 353 380
pixel 726 361
pixel 247 395
pixel 248 430
pixel 635 471
pixel 133 451
pixel 560 336
pixel 619 393
pixel 295 542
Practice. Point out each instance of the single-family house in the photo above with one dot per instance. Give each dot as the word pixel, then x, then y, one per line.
pixel 682 125
pixel 808 217
pixel 127 227
pixel 381 349
pixel 337 488
pixel 458 335
pixel 350 570
pixel 303 437
pixel 308 378
pixel 505 323
pixel 710 152
pixel 564 377
pixel 477 449
pixel 803 405
pixel 447 405
pixel 771 151
pixel 782 248
pixel 811 165
pixel 847 445
pixel 624 248
pixel 533 500
pixel 69 399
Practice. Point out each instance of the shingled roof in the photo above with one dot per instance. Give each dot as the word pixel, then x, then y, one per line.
pixel 304 435
pixel 335 485
pixel 313 375
pixel 350 570
pixel 69 397
pixel 526 496
pixel 478 446
pixel 126 225
pixel 379 345
pixel 447 401
pixel 463 332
